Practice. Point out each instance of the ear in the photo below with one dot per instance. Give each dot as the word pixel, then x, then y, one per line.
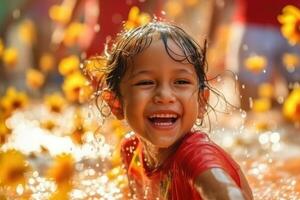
pixel 113 102
pixel 203 99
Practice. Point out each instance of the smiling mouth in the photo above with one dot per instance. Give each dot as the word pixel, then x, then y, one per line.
pixel 163 120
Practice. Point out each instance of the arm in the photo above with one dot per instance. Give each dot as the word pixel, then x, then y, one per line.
pixel 215 183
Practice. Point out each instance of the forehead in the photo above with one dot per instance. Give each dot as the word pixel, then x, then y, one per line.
pixel 158 48
pixel 160 57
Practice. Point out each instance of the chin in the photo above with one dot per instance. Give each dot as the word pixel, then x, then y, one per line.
pixel 162 143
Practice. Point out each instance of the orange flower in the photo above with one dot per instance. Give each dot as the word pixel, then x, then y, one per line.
pixel 79 128
pixel 13 167
pixel 291 61
pixel 4 131
pixel 13 100
pixel 62 169
pixel 60 14
pixel 261 105
pixel 73 33
pixel 10 57
pixel 255 64
pixel 135 18
pixel 27 32
pixel 291 106
pixel 55 102
pixel 62 172
pixel 85 93
pixel 266 90
pixel 93 69
pixel 34 78
pixel 68 65
pixel 46 62
pixel 49 125
pixel 290 20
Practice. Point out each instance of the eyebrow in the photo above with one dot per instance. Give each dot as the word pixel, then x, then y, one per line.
pixel 141 72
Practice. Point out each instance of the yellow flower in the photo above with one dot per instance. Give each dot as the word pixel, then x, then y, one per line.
pixel 93 69
pixel 291 106
pixel 60 194
pixel 255 63
pixel 60 14
pixel 174 8
pixel 46 62
pixel 55 102
pixel 85 93
pixel 291 61
pixel 73 85
pixel 62 169
pixel 62 172
pixel 1 47
pixel 34 78
pixel 73 33
pixel 79 128
pixel 4 131
pixel 27 32
pixel 266 90
pixel 13 100
pixel 290 20
pixel 135 18
pixel 68 65
pixel 13 167
pixel 10 57
pixel 262 126
pixel 47 124
pixel 261 105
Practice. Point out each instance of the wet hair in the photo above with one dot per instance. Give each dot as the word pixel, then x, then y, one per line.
pixel 131 43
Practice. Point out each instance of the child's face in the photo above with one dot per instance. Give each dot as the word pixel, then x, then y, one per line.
pixel 160 98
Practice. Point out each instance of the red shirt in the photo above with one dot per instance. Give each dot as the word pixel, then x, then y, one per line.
pixel 174 180
pixel 262 12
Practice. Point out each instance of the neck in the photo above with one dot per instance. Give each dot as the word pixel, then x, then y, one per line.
pixel 156 156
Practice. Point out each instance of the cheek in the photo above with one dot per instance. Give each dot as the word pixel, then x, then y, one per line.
pixel 134 104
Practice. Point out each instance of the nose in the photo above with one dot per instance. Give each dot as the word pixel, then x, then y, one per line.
pixel 164 95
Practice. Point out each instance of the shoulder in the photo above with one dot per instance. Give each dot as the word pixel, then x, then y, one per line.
pixel 197 153
pixel 128 146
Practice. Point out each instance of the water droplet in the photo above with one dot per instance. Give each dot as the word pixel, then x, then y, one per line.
pixel 219 78
pixel 243 114
pixel 243 86
pixel 20 189
pixel 264 71
pixel 280 99
pixel 97 28
pixel 89 115
pixel 236 77
pixel 250 102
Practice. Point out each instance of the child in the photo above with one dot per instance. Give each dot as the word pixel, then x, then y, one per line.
pixel 156 81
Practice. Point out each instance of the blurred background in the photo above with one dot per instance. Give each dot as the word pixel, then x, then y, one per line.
pixel 58 141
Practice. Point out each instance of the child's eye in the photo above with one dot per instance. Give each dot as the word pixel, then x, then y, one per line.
pixel 182 82
pixel 145 82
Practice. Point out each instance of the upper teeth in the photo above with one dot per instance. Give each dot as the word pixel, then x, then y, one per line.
pixel 163 116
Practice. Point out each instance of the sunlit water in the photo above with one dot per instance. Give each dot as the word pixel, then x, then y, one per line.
pixel 269 158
